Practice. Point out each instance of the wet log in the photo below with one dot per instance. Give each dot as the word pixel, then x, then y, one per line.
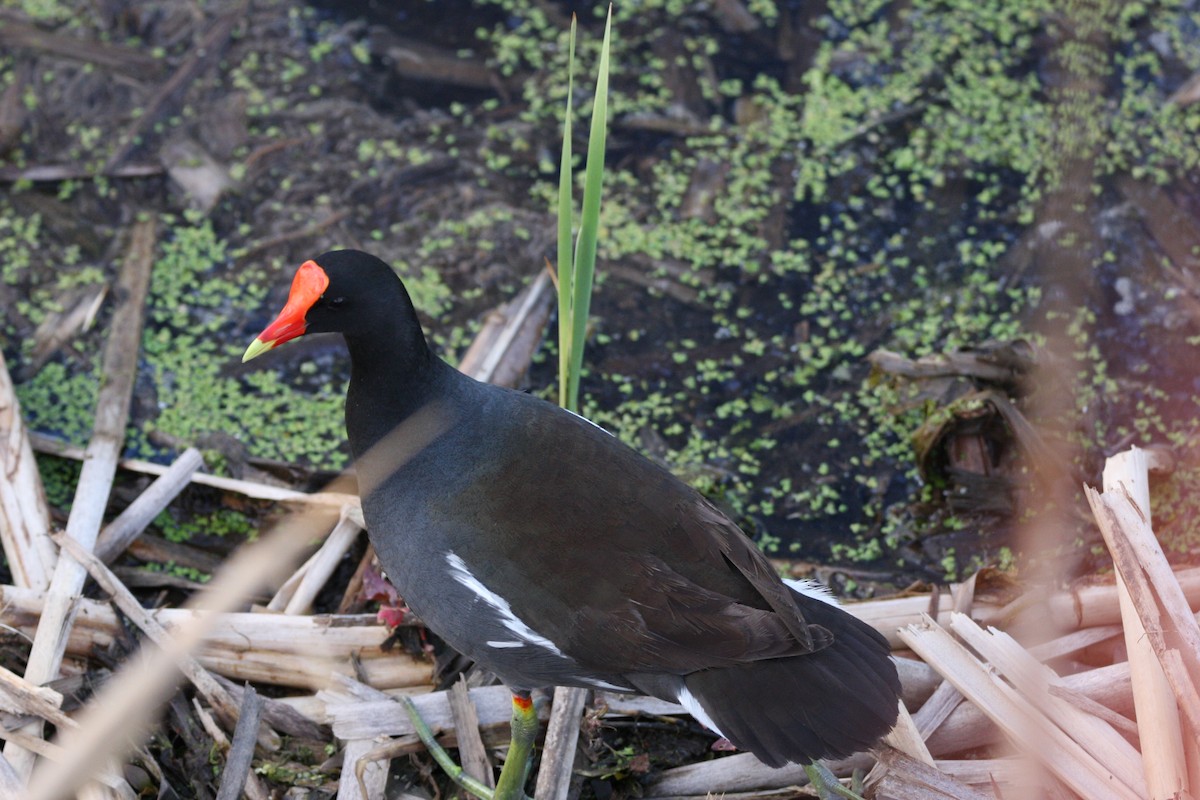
pixel 137 64
pixel 502 350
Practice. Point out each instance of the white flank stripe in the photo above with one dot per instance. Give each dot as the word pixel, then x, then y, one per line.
pixel 505 644
pixel 689 701
pixel 588 421
pixel 814 589
pixel 460 573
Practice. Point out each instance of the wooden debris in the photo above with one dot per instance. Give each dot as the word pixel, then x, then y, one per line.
pixel 151 548
pixel 739 773
pixel 10 783
pixel 354 587
pixel 907 778
pixel 1164 664
pixel 1097 604
pixel 367 719
pixel 304 651
pixel 169 96
pixel 1187 93
pixel 1159 730
pixel 472 755
pixel 193 169
pixel 305 232
pixel 1016 715
pixel 936 709
pixel 238 773
pixel 52 173
pixel 117 535
pixel 315 671
pixel 53 752
pixel 208 687
pixel 121 709
pixel 907 739
pixel 19 696
pixel 99 466
pixel 888 616
pixel 1034 680
pixel 501 352
pixel 1004 367
pixel 298 592
pixel 363 777
pixel 71 313
pixel 967 727
pixel 421 61
pixel 645 278
pixel 558 754
pixel 137 64
pixel 917 680
pixel 364 761
pixel 251 489
pixel 734 17
pixel 24 517
pixel 278 714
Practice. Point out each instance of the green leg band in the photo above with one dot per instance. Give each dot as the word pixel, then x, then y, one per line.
pixel 827 785
pixel 511 785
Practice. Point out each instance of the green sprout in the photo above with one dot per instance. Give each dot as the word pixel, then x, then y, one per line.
pixel 576 270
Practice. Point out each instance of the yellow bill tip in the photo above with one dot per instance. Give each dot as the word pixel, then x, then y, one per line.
pixel 256 348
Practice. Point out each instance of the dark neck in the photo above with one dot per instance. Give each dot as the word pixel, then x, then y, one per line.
pixel 391 376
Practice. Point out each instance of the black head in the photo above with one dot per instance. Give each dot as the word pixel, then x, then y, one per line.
pixel 348 292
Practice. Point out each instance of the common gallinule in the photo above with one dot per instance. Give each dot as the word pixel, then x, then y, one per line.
pixel 539 545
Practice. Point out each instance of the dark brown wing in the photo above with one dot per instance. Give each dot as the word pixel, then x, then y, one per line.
pixel 666 623
pixel 673 585
pixel 711 525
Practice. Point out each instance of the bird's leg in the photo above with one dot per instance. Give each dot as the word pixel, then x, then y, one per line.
pixel 826 784
pixel 511 784
pixel 452 770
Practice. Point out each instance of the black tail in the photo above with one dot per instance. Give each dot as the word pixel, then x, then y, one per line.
pixel 828 704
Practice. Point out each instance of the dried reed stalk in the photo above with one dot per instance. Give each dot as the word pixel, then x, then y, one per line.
pixel 1162 636
pixel 119 366
pixel 24 517
pixel 118 714
pixel 298 592
pixel 1034 680
pixel 118 534
pixel 1019 718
